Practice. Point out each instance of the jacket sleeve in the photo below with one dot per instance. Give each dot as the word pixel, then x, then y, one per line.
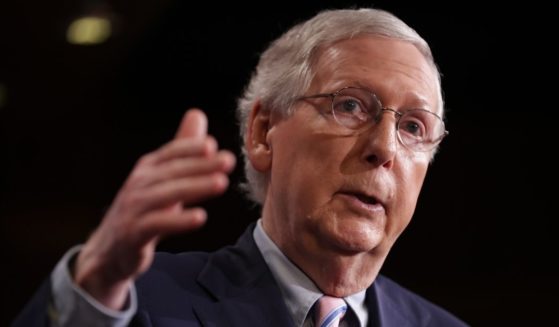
pixel 60 303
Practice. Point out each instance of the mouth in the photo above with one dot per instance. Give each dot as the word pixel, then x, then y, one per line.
pixel 367 199
pixel 363 201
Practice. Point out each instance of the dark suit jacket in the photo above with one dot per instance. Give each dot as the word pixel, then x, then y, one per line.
pixel 234 287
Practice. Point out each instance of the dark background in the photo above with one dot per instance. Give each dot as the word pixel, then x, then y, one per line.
pixel 74 119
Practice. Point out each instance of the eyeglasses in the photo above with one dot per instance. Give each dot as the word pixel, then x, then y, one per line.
pixel 355 108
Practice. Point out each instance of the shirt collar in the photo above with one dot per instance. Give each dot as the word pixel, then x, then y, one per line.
pixel 298 290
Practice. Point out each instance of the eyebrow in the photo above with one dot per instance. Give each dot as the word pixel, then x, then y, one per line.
pixel 418 101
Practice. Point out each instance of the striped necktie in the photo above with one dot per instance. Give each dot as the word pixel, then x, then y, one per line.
pixel 329 311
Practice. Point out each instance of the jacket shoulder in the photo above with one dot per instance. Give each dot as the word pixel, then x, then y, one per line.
pixel 170 272
pixel 170 288
pixel 395 298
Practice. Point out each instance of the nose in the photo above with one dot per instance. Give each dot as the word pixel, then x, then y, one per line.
pixel 382 141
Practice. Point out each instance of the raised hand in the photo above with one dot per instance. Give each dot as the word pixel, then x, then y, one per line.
pixel 156 200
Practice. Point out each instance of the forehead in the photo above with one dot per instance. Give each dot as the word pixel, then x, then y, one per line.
pixel 396 70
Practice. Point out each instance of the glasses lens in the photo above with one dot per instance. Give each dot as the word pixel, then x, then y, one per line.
pixel 420 130
pixel 354 108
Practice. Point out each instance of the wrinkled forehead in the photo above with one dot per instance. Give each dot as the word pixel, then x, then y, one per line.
pixel 372 61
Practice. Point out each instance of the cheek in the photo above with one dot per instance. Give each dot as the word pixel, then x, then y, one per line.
pixel 314 177
pixel 408 185
pixel 309 173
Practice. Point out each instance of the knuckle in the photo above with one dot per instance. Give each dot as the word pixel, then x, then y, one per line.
pixel 130 199
pixel 174 166
pixel 146 159
pixel 138 177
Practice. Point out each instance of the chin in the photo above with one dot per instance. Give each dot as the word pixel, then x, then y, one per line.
pixel 357 239
pixel 348 232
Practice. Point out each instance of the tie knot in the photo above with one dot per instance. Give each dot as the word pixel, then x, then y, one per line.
pixel 329 311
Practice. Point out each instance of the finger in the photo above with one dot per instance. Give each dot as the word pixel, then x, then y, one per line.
pixel 223 162
pixel 166 223
pixel 182 148
pixel 194 124
pixel 178 147
pixel 186 190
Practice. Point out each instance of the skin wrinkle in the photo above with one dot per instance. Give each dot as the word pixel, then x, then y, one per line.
pixel 338 245
pixel 413 99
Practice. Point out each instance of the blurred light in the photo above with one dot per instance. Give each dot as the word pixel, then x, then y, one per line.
pixel 89 30
pixel 3 95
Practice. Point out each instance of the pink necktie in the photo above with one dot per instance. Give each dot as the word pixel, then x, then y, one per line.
pixel 329 311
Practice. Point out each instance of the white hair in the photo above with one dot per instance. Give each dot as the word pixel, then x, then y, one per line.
pixel 285 69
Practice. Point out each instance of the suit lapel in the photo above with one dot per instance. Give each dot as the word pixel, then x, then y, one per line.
pixel 244 289
pixel 383 312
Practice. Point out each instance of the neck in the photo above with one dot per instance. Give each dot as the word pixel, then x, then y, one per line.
pixel 333 272
pixel 339 275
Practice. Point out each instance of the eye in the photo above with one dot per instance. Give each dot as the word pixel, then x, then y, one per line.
pixel 354 107
pixel 420 129
pixel 350 111
pixel 344 104
pixel 412 126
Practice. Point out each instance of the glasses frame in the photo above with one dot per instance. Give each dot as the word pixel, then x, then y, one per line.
pixel 398 114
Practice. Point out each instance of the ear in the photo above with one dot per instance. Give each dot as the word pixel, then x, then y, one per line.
pixel 259 151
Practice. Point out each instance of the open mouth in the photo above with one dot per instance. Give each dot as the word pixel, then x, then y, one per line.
pixel 364 198
pixel 358 201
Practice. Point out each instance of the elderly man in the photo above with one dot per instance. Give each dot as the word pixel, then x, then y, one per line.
pixel 340 121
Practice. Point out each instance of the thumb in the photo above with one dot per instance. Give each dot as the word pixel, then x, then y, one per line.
pixel 194 124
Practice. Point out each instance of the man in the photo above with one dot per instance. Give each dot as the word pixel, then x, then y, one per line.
pixel 340 121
